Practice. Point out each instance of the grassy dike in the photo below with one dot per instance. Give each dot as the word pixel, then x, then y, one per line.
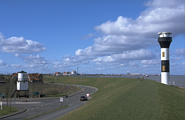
pixel 128 99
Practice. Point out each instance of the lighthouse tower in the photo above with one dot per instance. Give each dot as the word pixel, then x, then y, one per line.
pixel 165 39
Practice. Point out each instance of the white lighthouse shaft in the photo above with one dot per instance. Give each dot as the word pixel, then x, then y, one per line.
pixel 164 57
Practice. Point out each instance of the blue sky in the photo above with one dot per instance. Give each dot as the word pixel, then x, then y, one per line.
pixel 97 36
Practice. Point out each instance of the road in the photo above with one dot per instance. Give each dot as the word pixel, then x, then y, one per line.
pixel 49 108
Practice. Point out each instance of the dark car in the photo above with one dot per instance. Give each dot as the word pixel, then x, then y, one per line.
pixel 83 98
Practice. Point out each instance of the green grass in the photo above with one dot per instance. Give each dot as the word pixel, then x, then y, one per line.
pixel 52 90
pixel 128 99
pixel 7 110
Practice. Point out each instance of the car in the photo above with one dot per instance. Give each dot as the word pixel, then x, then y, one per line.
pixel 83 98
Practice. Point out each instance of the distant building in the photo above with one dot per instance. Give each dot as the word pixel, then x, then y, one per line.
pixel 35 78
pixel 14 76
pixel 66 73
pixel 58 73
pixel 73 72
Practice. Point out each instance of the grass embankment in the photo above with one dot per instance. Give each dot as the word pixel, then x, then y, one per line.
pixel 7 110
pixel 128 99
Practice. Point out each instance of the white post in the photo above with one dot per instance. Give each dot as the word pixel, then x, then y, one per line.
pixel 61 99
pixel 1 103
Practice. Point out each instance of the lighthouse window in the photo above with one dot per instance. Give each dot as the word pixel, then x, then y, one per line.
pixel 163 54
pixel 163 68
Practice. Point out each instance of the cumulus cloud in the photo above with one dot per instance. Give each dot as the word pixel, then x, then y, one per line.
pixel 15 65
pixel 19 45
pixel 166 15
pixel 35 60
pixel 24 49
pixel 111 44
pixel 150 62
pixel 2 63
pixel 127 55
pixel 180 52
pixel 127 38
pixel 73 61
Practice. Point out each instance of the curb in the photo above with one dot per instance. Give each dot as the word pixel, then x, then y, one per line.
pixel 12 114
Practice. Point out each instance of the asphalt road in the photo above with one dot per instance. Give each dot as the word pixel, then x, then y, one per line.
pixel 49 108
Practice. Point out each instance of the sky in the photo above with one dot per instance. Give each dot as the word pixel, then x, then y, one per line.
pixel 93 36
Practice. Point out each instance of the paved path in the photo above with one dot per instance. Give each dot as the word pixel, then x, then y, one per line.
pixel 50 108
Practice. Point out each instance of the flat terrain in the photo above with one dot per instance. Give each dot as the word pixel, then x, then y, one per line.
pixel 116 99
pixel 7 110
pixel 129 99
pixel 48 108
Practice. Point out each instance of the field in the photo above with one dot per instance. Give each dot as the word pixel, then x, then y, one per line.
pixel 7 110
pixel 128 99
pixel 43 89
pixel 52 90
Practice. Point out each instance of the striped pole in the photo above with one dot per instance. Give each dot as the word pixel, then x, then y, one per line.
pixel 165 39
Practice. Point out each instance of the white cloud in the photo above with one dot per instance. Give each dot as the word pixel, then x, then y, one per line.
pixel 127 55
pixel 111 44
pixel 16 65
pixel 67 59
pixel 19 45
pixel 2 63
pixel 150 62
pixel 166 15
pixel 125 37
pixel 73 61
pixel 163 3
pixel 180 51
pixel 135 55
pixel 35 59
pixel 104 59
pixel 16 55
